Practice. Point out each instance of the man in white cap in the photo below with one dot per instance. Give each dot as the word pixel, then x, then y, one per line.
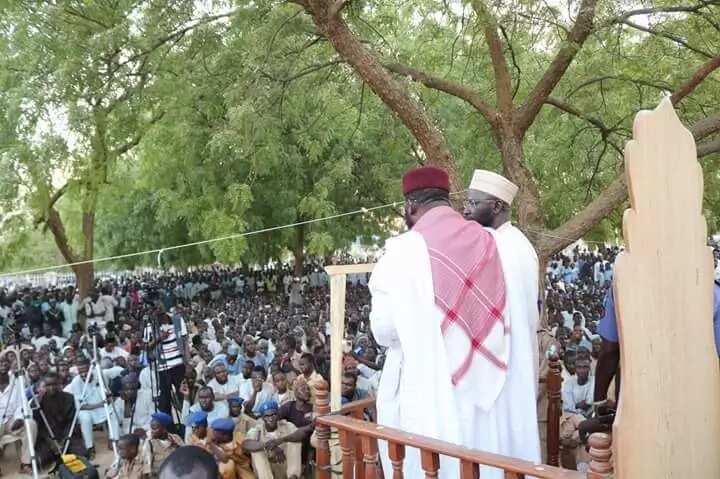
pixel 488 203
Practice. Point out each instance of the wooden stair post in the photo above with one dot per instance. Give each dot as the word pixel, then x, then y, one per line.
pixel 554 410
pixel 601 455
pixel 322 453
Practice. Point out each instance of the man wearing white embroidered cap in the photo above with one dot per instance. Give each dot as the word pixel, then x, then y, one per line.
pixel 488 202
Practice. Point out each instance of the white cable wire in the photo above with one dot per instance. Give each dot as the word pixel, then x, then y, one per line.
pixel 235 236
pixel 197 243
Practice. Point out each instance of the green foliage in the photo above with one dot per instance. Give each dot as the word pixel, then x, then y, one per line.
pixel 252 121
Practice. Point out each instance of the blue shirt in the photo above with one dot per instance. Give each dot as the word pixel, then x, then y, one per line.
pixel 608 324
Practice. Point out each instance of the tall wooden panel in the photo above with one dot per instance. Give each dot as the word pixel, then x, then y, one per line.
pixel 668 424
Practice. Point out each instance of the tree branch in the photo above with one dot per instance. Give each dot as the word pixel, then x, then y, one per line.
pixel 708 147
pixel 450 87
pixel 700 74
pixel 649 11
pixel 55 224
pixel 336 8
pixel 392 92
pixel 614 195
pixel 134 141
pixel 605 131
pixel 503 87
pixel 670 36
pixel 571 46
pixel 706 127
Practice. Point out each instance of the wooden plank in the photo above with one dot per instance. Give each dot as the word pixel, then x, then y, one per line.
pixel 349 268
pixel 668 420
pixel 363 428
pixel 337 333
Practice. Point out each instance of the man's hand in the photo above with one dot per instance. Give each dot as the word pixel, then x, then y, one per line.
pixel 582 405
pixel 184 389
pixel 17 424
pixel 276 456
pixel 140 432
pixel 272 444
pixel 164 335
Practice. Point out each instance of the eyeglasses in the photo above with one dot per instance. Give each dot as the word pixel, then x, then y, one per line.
pixel 474 203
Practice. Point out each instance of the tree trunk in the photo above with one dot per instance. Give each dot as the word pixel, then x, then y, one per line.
pixel 84 277
pixel 299 250
pixel 527 202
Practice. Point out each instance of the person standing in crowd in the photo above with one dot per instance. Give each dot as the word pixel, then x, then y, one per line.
pixel 438 305
pixel 488 202
pixel 172 351
pixel 95 310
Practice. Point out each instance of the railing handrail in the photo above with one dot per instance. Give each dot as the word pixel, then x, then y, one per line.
pixel 355 406
pixel 397 436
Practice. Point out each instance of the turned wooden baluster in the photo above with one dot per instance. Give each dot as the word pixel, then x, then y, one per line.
pixel 370 457
pixel 322 453
pixel 554 410
pixel 469 470
pixel 397 456
pixel 600 453
pixel 347 445
pixel 430 463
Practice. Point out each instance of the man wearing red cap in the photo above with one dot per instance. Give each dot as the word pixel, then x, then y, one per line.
pixel 438 302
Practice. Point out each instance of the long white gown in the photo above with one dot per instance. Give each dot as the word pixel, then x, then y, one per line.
pixel 415 392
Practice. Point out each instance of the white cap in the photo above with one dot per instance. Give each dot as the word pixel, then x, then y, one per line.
pixel 494 184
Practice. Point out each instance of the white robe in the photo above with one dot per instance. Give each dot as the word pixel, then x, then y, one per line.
pixel 415 392
pixel 516 407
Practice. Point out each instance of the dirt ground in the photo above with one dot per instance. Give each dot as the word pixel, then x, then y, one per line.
pixel 10 461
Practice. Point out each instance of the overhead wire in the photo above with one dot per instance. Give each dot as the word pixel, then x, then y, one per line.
pixel 164 249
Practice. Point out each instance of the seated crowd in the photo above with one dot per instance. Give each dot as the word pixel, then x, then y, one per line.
pixel 252 349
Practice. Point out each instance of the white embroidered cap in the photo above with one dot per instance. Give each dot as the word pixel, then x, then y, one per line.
pixel 494 184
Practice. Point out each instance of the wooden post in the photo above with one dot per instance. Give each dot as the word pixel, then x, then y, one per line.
pixel 397 457
pixel 554 410
pixel 347 445
pixel 322 453
pixel 338 280
pixel 600 452
pixel 337 333
pixel 668 418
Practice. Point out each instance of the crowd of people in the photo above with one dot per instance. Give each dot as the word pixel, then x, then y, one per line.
pixel 222 359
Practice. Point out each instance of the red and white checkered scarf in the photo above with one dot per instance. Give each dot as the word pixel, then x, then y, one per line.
pixel 469 288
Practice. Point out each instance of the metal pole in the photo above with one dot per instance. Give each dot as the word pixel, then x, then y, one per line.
pixel 27 417
pixel 103 394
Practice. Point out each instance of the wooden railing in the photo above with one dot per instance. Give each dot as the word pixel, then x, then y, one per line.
pixel 357 443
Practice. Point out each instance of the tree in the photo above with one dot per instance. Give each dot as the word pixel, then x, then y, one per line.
pixel 251 142
pixel 77 97
pixel 680 38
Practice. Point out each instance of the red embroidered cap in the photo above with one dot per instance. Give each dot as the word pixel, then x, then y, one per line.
pixel 425 177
